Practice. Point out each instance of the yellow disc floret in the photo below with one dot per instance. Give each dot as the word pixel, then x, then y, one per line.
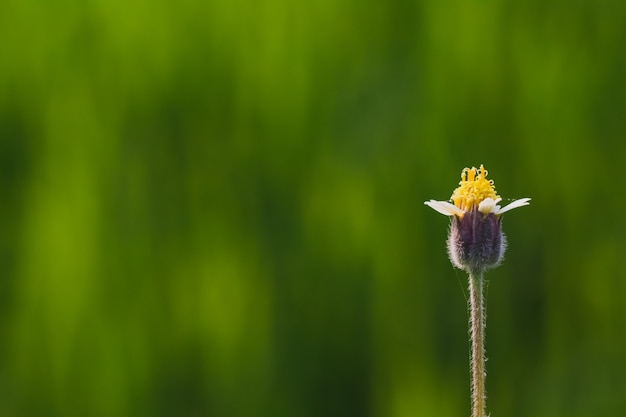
pixel 473 188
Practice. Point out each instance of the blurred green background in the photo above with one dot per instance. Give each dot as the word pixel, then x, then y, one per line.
pixel 216 208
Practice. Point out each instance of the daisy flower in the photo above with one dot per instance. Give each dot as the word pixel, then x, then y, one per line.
pixel 475 241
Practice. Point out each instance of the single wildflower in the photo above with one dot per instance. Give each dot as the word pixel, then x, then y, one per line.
pixel 475 244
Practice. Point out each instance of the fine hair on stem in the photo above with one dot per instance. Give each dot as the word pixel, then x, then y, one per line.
pixel 477 318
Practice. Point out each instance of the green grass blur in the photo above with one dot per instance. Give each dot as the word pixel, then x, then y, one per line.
pixel 214 208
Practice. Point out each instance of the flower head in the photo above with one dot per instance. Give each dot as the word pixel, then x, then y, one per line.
pixel 476 241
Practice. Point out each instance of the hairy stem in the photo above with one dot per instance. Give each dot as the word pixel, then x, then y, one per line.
pixel 477 337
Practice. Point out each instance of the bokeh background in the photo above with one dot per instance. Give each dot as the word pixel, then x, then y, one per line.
pixel 215 208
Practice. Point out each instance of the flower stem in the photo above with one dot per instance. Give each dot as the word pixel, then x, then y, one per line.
pixel 477 337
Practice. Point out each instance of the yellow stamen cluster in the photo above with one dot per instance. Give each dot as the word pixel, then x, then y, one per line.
pixel 473 188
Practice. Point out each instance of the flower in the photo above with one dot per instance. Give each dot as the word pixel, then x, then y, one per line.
pixel 475 241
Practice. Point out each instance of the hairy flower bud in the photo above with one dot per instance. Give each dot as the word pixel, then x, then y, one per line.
pixel 476 242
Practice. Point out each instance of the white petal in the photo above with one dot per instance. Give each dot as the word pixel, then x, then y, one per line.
pixel 488 205
pixel 517 203
pixel 445 208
